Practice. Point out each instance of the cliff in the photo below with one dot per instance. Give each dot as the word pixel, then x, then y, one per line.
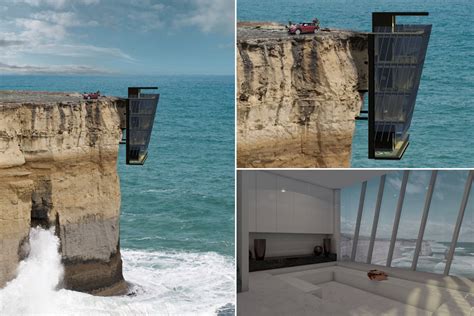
pixel 58 167
pixel 297 96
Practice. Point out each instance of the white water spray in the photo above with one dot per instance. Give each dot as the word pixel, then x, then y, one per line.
pixel 37 277
pixel 164 283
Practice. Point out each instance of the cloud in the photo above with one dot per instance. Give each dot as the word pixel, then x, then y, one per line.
pixel 145 21
pixel 210 16
pixel 47 32
pixel 57 3
pixel 6 43
pixel 417 181
pixel 158 6
pixel 66 50
pixel 207 16
pixel 467 230
pixel 450 184
pixel 75 50
pixel 65 19
pixel 394 182
pixel 52 31
pixel 51 69
pixel 40 31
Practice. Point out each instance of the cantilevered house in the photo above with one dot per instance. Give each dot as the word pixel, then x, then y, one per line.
pixel 396 57
pixel 306 240
pixel 140 116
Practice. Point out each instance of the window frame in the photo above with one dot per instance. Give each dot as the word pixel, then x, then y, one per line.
pixel 398 212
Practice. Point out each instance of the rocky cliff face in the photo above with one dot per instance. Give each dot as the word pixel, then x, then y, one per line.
pixel 297 96
pixel 58 157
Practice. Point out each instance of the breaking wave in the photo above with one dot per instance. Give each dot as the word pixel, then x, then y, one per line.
pixel 37 277
pixel 162 283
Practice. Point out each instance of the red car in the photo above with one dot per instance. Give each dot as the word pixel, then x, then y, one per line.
pixel 91 96
pixel 304 27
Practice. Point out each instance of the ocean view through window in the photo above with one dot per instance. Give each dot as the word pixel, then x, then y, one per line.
pixel 443 209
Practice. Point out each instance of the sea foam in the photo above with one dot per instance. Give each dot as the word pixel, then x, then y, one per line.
pixel 32 291
pixel 162 283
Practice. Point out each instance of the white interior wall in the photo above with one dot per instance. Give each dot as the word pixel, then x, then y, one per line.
pixel 331 179
pixel 242 236
pixel 289 244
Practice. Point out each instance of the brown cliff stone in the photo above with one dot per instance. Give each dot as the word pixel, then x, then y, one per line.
pixel 58 167
pixel 297 96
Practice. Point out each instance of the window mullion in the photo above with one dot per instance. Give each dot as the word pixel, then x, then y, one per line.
pixel 424 218
pixel 457 229
pixel 359 218
pixel 376 218
pixel 396 221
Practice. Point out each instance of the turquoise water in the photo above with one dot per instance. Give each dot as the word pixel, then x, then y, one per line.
pixel 177 221
pixel 442 132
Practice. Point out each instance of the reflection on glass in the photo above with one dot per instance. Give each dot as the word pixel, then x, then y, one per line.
pixel 463 260
pixel 410 218
pixel 349 207
pixel 367 220
pixel 393 183
pixel 442 216
pixel 398 62
pixel 140 125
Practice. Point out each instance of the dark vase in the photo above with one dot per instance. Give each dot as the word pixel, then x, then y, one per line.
pixel 318 250
pixel 327 246
pixel 259 247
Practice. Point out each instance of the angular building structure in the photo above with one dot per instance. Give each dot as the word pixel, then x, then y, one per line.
pixel 396 57
pixel 140 116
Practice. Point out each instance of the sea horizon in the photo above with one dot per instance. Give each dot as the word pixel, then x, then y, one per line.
pixel 441 133
pixel 177 210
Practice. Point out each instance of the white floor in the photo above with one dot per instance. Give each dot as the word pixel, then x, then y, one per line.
pixel 269 295
pixel 359 302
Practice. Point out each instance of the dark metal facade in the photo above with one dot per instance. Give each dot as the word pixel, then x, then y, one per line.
pixel 141 110
pixel 396 57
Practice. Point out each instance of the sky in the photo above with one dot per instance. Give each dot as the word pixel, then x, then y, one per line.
pixel 442 216
pixel 117 37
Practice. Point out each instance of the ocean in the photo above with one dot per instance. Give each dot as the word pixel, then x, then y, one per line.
pixel 177 212
pixel 432 256
pixel 442 130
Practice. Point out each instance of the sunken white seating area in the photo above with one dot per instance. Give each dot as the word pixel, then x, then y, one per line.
pixel 343 288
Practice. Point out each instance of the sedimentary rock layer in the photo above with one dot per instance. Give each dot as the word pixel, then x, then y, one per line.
pixel 58 167
pixel 297 96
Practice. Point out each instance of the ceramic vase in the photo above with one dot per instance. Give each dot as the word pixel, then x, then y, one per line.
pixel 259 247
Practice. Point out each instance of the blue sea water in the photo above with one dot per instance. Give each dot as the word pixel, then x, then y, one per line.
pixel 442 130
pixel 177 221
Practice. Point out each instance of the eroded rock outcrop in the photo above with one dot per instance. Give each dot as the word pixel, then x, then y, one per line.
pixel 297 96
pixel 58 167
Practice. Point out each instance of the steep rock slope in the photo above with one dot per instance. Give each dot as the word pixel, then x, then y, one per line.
pixel 58 156
pixel 297 96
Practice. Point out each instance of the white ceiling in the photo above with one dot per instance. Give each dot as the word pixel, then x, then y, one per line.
pixel 333 179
